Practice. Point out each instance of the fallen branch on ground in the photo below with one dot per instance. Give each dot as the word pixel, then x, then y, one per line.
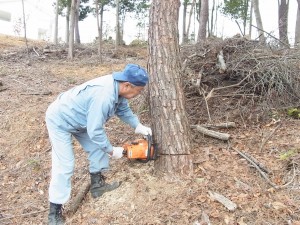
pixel 230 205
pixel 3 89
pixel 220 125
pixel 211 133
pixel 263 168
pixel 38 93
pixel 76 201
pixel 23 215
pixel 262 172
pixel 264 141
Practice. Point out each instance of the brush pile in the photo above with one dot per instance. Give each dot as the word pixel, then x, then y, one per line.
pixel 241 73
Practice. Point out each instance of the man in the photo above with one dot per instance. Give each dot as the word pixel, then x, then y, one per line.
pixel 82 112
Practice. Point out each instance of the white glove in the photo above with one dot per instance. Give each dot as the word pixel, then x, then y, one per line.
pixel 141 129
pixel 117 152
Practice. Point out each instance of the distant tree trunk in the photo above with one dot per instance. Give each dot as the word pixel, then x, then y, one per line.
pixel 215 24
pixel 258 20
pixel 245 19
pixel 56 24
pixel 99 27
pixel 68 24
pixel 283 8
pixel 24 24
pixel 190 20
pixel 184 35
pixel 297 29
pixel 72 27
pixel 203 21
pixel 251 16
pixel 167 102
pixel 212 19
pixel 121 31
pixel 77 35
pixel 117 24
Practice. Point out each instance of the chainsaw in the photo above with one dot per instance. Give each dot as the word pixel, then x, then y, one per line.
pixel 142 150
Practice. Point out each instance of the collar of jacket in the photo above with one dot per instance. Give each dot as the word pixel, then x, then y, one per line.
pixel 116 88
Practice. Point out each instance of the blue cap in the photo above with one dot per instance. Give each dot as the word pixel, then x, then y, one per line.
pixel 133 74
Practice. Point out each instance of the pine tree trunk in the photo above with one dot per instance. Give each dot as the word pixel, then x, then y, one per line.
pixel 167 103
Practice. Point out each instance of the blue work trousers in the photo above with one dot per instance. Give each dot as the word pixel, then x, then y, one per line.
pixel 63 160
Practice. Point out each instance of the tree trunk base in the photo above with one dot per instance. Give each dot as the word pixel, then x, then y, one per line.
pixel 174 165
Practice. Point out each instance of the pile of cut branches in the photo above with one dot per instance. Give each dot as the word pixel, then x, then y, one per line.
pixel 237 73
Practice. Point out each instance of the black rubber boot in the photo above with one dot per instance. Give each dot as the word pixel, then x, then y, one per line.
pixel 98 185
pixel 55 214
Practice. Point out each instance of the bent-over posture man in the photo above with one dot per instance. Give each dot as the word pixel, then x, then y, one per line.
pixel 81 112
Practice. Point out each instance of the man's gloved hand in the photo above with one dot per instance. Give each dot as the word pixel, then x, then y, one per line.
pixel 117 152
pixel 141 129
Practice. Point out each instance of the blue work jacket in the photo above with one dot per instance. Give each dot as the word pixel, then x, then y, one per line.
pixel 87 107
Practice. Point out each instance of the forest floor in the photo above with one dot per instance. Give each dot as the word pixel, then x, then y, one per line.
pixel 29 83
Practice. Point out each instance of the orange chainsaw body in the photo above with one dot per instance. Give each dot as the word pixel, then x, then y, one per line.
pixel 139 149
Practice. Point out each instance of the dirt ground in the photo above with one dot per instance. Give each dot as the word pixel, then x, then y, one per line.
pixel 29 83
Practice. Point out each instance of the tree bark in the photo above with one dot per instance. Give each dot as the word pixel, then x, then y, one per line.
pixel 255 4
pixel 190 20
pixel 99 26
pixel 56 24
pixel 297 29
pixel 117 25
pixel 203 21
pixel 77 35
pixel 71 32
pixel 184 35
pixel 283 21
pixel 24 26
pixel 210 32
pixel 167 103
pixel 68 24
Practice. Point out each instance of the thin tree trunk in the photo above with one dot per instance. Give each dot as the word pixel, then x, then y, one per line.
pixel 216 19
pixel 56 24
pixel 24 24
pixel 212 19
pixel 99 27
pixel 251 19
pixel 203 21
pixel 68 24
pixel 117 25
pixel 262 39
pixel 167 103
pixel 77 35
pixel 72 27
pixel 184 33
pixel 121 31
pixel 297 29
pixel 283 21
pixel 190 19
pixel 246 3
